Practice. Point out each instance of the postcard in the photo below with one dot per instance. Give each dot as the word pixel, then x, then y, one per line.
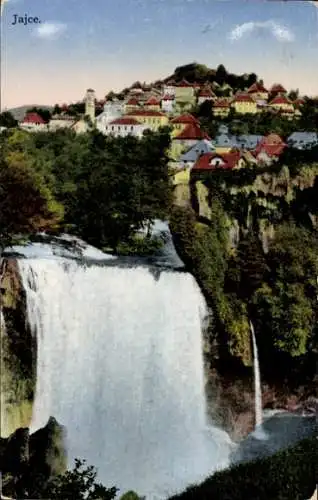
pixel 158 249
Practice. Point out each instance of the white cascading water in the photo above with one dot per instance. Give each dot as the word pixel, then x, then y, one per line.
pixel 120 364
pixel 257 382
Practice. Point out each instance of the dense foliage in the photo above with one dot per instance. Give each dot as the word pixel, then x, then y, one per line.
pixel 107 188
pixel 288 475
pixel 272 281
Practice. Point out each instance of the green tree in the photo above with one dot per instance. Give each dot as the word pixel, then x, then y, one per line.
pixel 79 483
pixel 287 300
pixel 26 203
pixel 7 120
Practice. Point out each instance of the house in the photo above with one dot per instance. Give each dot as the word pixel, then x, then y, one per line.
pixel 132 104
pixel 180 122
pixel 282 104
pixel 60 121
pixel 303 140
pixel 112 111
pixel 272 145
pixel 206 95
pixel 191 134
pixel 153 104
pixel 258 92
pixel 168 103
pixel 153 120
pixel 243 103
pixel 221 107
pixel 276 89
pixel 212 161
pixel 185 95
pixel 201 147
pixel 33 122
pixel 124 126
pixel 169 88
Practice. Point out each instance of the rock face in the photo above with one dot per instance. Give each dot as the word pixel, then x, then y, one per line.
pixel 18 352
pixel 29 461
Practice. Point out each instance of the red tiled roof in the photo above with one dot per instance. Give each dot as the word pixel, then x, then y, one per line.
pixel 299 102
pixel 256 87
pixel 272 139
pixel 125 120
pixel 280 99
pixel 133 102
pixel 243 98
pixel 229 161
pixel 206 93
pixel 221 103
pixel 270 149
pixel 168 97
pixel 184 83
pixel 277 87
pixel 192 132
pixel 33 117
pixel 152 101
pixel 185 118
pixel 146 112
pixel 272 144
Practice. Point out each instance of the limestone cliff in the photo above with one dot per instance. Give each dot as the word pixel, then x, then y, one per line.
pixel 18 352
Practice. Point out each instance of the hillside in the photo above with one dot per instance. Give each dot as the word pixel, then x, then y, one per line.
pixel 19 112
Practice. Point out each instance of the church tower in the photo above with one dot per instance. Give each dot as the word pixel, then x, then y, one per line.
pixel 90 104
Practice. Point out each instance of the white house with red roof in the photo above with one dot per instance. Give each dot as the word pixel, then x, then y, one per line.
pixel 180 122
pixel 205 94
pixel 33 122
pixel 124 126
pixel 212 161
pixel 269 148
pixel 282 104
pixel 258 92
pixel 168 103
pixel 153 104
pixel 112 110
pixel 132 104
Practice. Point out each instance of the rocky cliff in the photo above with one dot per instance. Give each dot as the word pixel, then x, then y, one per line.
pixel 254 201
pixel 18 352
pixel 29 461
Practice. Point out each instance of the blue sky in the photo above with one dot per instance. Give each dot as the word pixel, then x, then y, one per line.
pixel 108 44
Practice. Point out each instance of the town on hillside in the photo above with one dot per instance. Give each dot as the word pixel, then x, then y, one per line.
pixel 188 109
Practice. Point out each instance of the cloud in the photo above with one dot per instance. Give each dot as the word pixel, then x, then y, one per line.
pixel 50 30
pixel 280 32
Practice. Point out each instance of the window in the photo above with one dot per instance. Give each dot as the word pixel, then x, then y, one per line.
pixel 132 128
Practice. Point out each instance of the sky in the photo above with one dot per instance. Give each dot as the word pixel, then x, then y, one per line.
pixel 109 44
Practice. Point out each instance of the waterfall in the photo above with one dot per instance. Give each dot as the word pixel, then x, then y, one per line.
pixel 120 364
pixel 257 382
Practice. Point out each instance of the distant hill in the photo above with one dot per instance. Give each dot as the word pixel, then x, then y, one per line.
pixel 19 112
pixel 200 73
